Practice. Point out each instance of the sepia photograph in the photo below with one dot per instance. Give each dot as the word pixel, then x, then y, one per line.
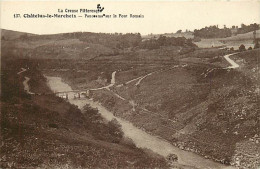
pixel 136 84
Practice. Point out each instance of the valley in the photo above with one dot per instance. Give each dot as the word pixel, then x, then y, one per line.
pixel 128 101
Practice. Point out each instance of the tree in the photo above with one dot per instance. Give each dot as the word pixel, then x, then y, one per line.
pixel 114 128
pixel 256 45
pixel 243 26
pixel 179 31
pixel 242 48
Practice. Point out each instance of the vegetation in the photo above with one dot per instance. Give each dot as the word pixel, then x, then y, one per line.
pixel 46 131
pixel 215 32
pixel 192 100
pixel 257 45
pixel 242 48
pixel 212 32
pixel 247 28
pixel 166 41
pixel 208 119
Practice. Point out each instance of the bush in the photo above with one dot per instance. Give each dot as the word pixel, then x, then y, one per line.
pixel 172 157
pixel 250 48
pixel 53 125
pixel 256 45
pixel 242 48
pixel 128 142
pixel 115 130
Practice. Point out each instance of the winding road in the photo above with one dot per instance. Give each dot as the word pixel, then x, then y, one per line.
pixel 26 86
pixel 233 63
pixel 25 82
pixel 23 70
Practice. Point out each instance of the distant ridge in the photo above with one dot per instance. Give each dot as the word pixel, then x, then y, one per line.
pixel 11 35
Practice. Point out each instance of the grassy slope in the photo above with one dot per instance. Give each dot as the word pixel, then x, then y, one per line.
pixel 212 114
pixel 187 35
pixel 46 131
pixel 11 35
pixel 219 108
pixel 233 41
pixel 52 47
pixel 240 37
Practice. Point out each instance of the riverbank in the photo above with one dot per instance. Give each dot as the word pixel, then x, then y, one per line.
pixel 140 137
pixel 45 131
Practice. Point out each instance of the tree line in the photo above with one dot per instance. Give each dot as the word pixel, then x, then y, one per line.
pixel 166 41
pixel 215 32
pixel 112 40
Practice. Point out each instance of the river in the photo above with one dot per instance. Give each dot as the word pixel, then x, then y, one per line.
pixel 139 137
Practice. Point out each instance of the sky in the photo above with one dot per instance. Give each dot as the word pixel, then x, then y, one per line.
pixel 159 17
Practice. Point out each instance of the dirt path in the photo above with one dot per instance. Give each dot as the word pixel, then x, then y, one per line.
pixel 139 81
pixel 149 74
pixel 26 86
pixel 234 65
pixel 232 62
pixel 25 82
pixel 23 70
pixel 113 81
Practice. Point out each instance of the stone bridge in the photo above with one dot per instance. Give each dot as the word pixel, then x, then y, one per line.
pixel 75 93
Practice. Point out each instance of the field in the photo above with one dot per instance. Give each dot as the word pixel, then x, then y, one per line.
pixel 233 41
pixel 187 35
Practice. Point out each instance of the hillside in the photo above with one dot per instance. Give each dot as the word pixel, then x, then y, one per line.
pixel 200 108
pixel 233 41
pixel 46 131
pixel 241 37
pixel 11 35
pixel 167 87
pixel 84 45
pixel 187 99
pixel 187 35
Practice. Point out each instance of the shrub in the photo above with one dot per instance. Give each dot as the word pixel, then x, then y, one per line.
pixel 115 130
pixel 172 157
pixel 242 48
pixel 256 45
pixel 250 48
pixel 128 142
pixel 53 125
